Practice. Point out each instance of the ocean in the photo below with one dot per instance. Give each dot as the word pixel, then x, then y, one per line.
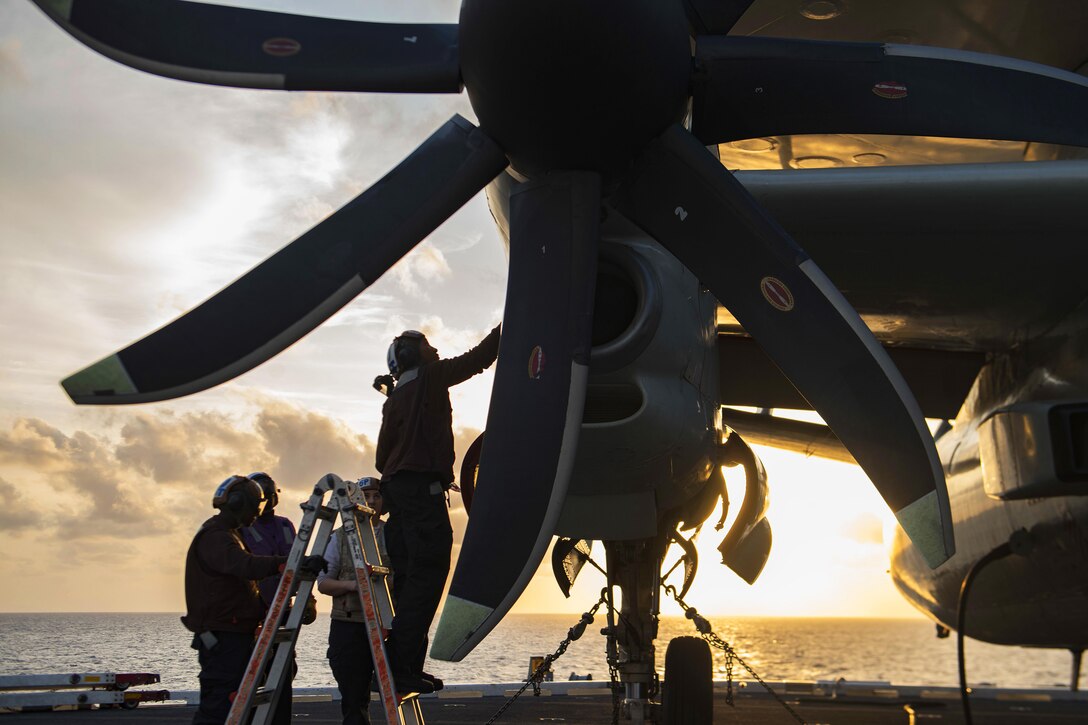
pixel 904 652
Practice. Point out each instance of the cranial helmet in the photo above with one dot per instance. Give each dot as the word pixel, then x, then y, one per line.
pixel 268 486
pixel 403 354
pixel 357 488
pixel 239 495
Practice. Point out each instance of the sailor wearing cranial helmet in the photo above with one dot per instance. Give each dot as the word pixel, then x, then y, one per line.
pixel 415 456
pixel 349 649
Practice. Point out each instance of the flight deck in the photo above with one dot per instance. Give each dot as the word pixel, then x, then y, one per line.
pixel 588 703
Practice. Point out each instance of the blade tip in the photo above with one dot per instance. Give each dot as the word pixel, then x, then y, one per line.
pixel 58 8
pixel 453 639
pixel 924 525
pixel 99 382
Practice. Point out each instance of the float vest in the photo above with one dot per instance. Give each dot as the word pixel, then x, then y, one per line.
pixel 348 607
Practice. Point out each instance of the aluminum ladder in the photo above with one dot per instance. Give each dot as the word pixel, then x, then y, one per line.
pixel 266 673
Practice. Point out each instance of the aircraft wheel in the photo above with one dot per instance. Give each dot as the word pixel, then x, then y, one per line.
pixel 130 704
pixel 688 693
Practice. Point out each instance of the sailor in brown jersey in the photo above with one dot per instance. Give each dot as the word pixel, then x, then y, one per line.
pixel 415 455
pixel 223 604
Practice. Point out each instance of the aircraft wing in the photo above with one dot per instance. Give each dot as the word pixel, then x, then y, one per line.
pixel 1043 31
pixel 944 264
pixel 950 249
pixel 965 257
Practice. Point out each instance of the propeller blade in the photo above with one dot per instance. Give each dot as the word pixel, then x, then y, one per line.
pixel 752 87
pixel 228 46
pixel 536 405
pixel 683 197
pixel 300 286
pixel 715 16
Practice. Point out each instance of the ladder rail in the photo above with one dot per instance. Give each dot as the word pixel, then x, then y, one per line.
pixel 379 583
pixel 315 516
pixel 272 653
pixel 286 640
pixel 374 624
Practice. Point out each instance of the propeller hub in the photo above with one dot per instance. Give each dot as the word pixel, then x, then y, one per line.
pixel 575 84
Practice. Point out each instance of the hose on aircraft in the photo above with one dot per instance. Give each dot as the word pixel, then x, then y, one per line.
pixel 1019 543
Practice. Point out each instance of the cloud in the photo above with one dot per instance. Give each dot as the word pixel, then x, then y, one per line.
pixel 371 310
pixel 309 445
pixel 421 269
pixel 33 443
pixel 151 475
pixel 17 511
pixel 11 66
pixel 77 476
pixel 191 450
pixel 449 340
pixel 865 529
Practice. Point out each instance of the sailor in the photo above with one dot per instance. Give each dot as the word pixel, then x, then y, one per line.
pixel 349 649
pixel 272 535
pixel 269 535
pixel 415 456
pixel 223 606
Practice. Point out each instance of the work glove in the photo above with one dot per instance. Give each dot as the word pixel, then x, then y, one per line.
pixel 313 565
pixel 309 614
pixel 384 384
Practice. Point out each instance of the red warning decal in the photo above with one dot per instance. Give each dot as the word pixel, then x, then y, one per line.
pixel 536 363
pixel 777 293
pixel 890 89
pixel 281 47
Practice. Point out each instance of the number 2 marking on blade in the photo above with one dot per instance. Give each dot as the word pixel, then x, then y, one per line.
pixel 681 212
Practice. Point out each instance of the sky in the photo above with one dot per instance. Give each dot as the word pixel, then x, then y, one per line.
pixel 126 199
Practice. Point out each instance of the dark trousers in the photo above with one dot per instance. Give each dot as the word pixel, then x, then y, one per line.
pixel 352 666
pixel 419 539
pixel 221 670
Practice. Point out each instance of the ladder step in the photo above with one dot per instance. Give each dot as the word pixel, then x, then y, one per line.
pixel 267 662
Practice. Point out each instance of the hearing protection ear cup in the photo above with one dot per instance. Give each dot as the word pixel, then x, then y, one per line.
pixel 407 352
pixel 236 501
pixel 271 491
pixel 236 493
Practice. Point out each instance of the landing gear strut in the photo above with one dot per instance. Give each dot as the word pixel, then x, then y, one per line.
pixel 635 567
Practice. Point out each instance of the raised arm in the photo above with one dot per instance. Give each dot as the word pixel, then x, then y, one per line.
pixel 454 370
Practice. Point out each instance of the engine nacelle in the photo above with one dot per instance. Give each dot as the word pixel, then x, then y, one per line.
pixel 651 427
pixel 651 424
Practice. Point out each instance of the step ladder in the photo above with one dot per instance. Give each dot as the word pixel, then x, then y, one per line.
pixel 265 676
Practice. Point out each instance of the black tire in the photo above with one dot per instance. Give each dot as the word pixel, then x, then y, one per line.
pixel 687 697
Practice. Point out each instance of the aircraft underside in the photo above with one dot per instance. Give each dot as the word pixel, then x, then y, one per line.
pixel 1015 460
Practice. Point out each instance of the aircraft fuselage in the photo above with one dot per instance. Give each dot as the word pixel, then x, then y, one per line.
pixel 1021 436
